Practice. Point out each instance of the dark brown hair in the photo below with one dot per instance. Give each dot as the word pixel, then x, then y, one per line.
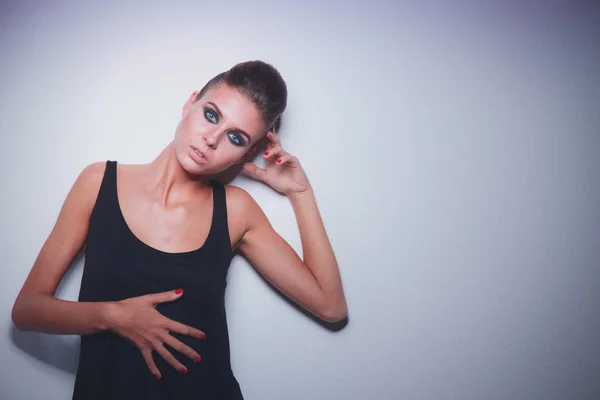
pixel 258 81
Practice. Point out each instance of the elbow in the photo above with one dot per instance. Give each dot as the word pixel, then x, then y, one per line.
pixel 334 312
pixel 19 315
pixel 335 316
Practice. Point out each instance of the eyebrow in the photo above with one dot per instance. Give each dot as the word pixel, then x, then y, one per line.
pixel 221 115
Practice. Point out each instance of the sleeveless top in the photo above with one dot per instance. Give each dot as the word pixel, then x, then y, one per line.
pixel 118 266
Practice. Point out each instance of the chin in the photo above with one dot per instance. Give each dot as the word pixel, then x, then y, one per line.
pixel 190 166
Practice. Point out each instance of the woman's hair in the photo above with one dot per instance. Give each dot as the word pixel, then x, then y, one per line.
pixel 258 81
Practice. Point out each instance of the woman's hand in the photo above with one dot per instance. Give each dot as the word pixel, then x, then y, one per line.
pixel 137 320
pixel 283 173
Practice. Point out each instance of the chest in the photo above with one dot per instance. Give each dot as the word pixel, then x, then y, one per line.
pixel 172 228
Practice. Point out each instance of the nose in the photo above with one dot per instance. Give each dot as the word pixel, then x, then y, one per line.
pixel 211 139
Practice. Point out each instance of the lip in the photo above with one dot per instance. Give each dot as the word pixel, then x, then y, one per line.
pixel 196 158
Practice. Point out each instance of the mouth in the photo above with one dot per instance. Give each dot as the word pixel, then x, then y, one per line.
pixel 198 155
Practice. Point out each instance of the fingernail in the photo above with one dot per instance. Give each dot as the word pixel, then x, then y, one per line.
pixel 157 376
pixel 266 153
pixel 279 161
pixel 197 358
pixel 179 291
pixel 183 370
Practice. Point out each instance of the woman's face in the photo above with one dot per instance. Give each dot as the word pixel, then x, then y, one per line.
pixel 217 131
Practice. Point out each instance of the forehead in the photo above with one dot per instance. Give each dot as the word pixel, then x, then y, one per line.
pixel 236 109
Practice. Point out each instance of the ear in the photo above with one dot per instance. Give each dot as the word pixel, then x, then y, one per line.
pixel 190 101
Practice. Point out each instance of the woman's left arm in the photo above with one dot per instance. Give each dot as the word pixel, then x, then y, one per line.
pixel 315 282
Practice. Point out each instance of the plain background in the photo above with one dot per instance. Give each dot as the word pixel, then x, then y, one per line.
pixel 453 149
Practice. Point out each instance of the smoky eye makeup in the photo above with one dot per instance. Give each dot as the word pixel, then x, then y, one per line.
pixel 210 115
pixel 236 138
pixel 213 117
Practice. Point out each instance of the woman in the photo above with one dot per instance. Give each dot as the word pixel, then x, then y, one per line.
pixel 160 238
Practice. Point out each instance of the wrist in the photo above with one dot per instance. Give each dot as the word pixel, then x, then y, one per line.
pixel 109 315
pixel 301 193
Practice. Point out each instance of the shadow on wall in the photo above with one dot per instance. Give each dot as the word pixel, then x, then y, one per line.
pixel 59 351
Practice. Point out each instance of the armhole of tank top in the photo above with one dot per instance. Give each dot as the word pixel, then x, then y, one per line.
pixel 221 203
pixel 101 189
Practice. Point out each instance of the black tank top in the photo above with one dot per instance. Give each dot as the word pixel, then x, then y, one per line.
pixel 118 266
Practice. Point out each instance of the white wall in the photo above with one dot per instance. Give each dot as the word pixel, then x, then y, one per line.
pixel 453 149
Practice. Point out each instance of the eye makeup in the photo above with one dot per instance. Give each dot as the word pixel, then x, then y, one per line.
pixel 235 138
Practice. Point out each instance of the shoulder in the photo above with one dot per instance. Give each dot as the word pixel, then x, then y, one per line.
pixel 238 199
pixel 237 195
pixel 93 171
pixel 91 176
pixel 241 206
pixel 87 186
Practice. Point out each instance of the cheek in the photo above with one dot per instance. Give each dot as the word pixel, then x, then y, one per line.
pixel 188 126
pixel 182 128
pixel 229 154
pixel 193 124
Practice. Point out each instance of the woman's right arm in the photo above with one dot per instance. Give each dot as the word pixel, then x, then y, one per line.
pixel 35 308
pixel 135 319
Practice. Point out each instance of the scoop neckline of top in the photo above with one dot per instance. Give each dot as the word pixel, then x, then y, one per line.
pixel 154 249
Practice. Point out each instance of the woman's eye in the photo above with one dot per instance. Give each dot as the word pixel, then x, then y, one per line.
pixel 210 116
pixel 236 139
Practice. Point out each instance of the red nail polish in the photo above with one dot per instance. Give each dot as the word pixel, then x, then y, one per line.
pixel 183 370
pixel 279 161
pixel 266 153
pixel 157 376
pixel 197 359
pixel 179 291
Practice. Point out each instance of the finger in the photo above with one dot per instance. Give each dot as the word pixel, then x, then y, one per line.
pixel 286 159
pixel 269 146
pixel 147 354
pixel 255 171
pixel 166 354
pixel 178 327
pixel 180 347
pixel 274 153
pixel 273 138
pixel 164 297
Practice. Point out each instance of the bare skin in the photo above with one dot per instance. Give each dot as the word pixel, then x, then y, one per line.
pixel 168 205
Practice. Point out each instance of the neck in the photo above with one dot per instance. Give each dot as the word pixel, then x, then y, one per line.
pixel 170 182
